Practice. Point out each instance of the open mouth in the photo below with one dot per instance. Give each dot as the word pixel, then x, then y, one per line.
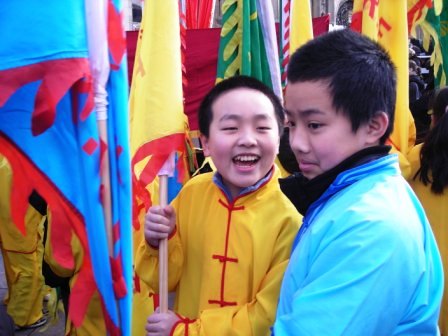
pixel 246 160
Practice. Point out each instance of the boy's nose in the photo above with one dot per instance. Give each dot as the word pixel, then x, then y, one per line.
pixel 247 138
pixel 298 141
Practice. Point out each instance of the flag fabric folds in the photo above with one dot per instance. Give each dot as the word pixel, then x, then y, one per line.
pixel 248 44
pixel 119 163
pixel 200 60
pixel 301 27
pixel 199 13
pixel 49 134
pixel 386 22
pixel 159 127
pixel 393 34
pixel 432 17
pixel 295 29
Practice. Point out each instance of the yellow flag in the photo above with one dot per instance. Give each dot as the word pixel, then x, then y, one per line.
pixel 393 35
pixel 301 27
pixel 296 28
pixel 386 22
pixel 367 12
pixel 158 125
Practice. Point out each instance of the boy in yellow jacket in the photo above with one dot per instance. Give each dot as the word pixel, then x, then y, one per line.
pixel 230 232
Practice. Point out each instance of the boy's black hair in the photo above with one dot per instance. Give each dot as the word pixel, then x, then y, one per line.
pixel 205 114
pixel 360 74
pixel 434 152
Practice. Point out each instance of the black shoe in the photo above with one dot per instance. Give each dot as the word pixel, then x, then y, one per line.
pixel 40 322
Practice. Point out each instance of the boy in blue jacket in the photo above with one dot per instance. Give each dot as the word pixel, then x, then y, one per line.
pixel 365 261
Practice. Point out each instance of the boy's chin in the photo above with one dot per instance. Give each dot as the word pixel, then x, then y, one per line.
pixel 309 173
pixel 237 185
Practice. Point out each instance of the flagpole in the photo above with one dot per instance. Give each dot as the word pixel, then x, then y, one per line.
pixel 158 50
pixel 99 17
pixel 163 250
pixel 106 192
pixel 166 170
pixel 96 14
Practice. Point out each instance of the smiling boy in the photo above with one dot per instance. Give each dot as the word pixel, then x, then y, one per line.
pixel 365 261
pixel 230 232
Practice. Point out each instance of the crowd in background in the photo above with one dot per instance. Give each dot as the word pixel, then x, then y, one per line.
pixel 421 86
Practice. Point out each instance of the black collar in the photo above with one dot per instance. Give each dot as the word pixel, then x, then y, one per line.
pixel 302 192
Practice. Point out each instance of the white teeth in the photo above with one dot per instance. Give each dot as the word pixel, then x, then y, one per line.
pixel 246 158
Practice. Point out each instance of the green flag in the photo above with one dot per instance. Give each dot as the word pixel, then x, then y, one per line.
pixel 248 44
pixel 435 27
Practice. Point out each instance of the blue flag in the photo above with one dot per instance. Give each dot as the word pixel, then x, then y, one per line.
pixel 49 134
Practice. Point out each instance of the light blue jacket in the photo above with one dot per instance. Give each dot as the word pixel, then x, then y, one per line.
pixel 365 261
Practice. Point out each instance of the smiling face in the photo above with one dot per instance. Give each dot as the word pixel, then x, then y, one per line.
pixel 243 138
pixel 320 136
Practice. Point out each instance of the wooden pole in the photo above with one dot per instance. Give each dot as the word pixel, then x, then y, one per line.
pixel 107 195
pixel 163 250
pixel 105 181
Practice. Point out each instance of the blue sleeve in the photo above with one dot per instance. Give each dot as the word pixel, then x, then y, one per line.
pixel 359 281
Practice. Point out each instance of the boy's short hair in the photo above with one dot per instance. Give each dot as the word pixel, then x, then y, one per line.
pixel 205 114
pixel 361 76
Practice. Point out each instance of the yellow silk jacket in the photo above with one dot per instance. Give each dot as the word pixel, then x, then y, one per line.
pixel 226 258
pixel 436 208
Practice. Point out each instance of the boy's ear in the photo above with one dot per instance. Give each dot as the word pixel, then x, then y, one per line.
pixel 377 126
pixel 204 142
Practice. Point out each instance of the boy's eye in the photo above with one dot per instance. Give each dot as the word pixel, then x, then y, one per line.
pixel 314 125
pixel 264 128
pixel 229 128
pixel 290 123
